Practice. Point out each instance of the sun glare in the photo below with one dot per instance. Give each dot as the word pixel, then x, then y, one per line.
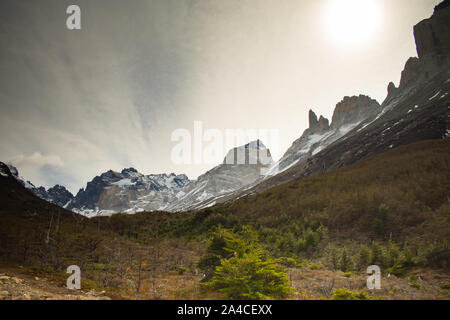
pixel 352 22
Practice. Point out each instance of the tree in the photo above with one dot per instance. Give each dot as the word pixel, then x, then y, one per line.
pixel 215 252
pixel 225 244
pixel 346 262
pixel 364 258
pixel 247 271
pixel 380 226
pixel 250 277
pixel 334 258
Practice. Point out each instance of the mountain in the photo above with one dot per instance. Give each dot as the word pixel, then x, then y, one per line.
pixel 241 167
pixel 58 195
pixel 347 115
pixel 128 191
pixel 415 110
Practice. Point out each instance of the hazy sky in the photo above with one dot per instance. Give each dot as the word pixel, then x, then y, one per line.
pixel 77 103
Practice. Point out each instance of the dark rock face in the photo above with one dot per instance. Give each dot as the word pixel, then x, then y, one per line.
pixel 58 195
pixel 412 73
pixel 127 191
pixel 317 126
pixel 391 89
pixel 442 5
pixel 354 109
pixel 241 167
pixel 432 38
pixel 324 124
pixel 347 114
pixel 433 35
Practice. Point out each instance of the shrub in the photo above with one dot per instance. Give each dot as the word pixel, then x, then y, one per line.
pixel 414 285
pixel 287 262
pixel 397 270
pixel 346 263
pixel 347 274
pixel 446 286
pixel 344 294
pixel 439 255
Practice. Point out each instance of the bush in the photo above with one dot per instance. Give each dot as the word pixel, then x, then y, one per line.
pixel 397 270
pixel 347 274
pixel 446 286
pixel 439 256
pixel 414 285
pixel 287 262
pixel 344 294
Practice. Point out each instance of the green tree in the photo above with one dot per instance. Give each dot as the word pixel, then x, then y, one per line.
pixel 364 258
pixel 346 262
pixel 334 258
pixel 376 254
pixel 251 276
pixel 245 271
pixel 215 252
pixel 380 226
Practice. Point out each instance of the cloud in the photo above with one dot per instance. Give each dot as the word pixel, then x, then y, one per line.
pixel 46 170
pixel 36 160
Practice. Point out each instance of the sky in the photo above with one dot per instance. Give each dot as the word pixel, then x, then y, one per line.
pixel 76 103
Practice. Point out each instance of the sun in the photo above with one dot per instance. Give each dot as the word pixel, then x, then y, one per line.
pixel 352 22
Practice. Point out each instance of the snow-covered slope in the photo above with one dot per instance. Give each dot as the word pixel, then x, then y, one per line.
pixel 241 167
pixel 347 115
pixel 128 191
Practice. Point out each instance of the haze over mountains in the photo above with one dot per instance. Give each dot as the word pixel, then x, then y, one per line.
pixel 360 127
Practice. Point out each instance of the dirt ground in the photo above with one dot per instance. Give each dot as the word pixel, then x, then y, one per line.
pixel 20 284
pixel 17 285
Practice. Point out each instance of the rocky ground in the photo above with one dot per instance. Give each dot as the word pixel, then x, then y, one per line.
pixel 15 285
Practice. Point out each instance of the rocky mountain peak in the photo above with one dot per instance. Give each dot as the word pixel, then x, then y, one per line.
pixel 58 194
pixel 354 109
pixel 256 145
pixel 391 88
pixel 432 37
pixel 13 170
pixel 317 126
pixel 253 153
pixel 411 72
pixel 128 170
pixel 313 122
pixel 442 5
